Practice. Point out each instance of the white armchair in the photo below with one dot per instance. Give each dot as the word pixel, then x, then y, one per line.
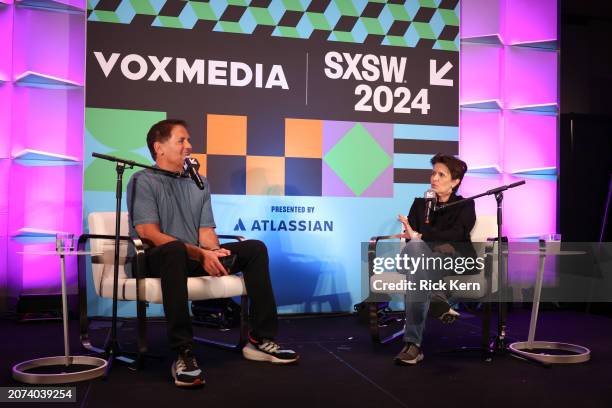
pixel 140 288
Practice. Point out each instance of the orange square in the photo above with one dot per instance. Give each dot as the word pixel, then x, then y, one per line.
pixel 303 138
pixel 265 175
pixel 202 160
pixel 226 134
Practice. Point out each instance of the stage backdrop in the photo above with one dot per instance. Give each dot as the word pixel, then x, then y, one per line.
pixel 314 121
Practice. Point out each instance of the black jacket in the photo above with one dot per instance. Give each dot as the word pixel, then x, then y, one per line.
pixel 451 225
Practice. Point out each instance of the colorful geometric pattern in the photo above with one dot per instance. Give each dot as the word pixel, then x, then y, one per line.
pixel 322 157
pixel 357 159
pixel 116 132
pixel 414 146
pixel 328 158
pixel 411 23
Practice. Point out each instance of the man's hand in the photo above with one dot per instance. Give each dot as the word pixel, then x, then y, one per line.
pixel 222 252
pixel 211 263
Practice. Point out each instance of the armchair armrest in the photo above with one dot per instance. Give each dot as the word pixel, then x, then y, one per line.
pixel 372 250
pixel 137 243
pixel 234 237
pixel 81 267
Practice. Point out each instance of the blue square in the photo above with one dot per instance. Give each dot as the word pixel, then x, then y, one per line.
pixel 266 135
pixel 226 174
pixel 302 177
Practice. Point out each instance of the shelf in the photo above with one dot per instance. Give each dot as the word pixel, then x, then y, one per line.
pixel 552 45
pixel 38 80
pixel 484 39
pixel 27 232
pixel 28 235
pixel 490 169
pixel 544 108
pixel 543 171
pixel 29 157
pixel 50 5
pixel 490 104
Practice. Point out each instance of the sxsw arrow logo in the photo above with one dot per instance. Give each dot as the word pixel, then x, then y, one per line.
pixel 436 77
pixel 239 226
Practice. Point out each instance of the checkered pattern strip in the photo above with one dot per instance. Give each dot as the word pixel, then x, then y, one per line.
pixel 411 23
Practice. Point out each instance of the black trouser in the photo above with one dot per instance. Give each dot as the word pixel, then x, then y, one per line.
pixel 170 263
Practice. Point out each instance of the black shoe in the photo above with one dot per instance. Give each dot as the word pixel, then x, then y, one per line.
pixel 185 370
pixel 441 309
pixel 268 350
pixel 410 355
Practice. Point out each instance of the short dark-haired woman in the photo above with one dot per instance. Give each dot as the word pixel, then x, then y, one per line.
pixel 435 239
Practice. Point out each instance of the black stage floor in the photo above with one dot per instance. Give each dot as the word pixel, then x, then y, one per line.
pixel 340 367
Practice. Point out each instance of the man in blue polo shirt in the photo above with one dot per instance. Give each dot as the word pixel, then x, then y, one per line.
pixel 174 218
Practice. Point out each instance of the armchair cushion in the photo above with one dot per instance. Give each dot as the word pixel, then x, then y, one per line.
pixel 199 288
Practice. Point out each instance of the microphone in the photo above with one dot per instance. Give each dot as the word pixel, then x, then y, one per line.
pixel 430 202
pixel 191 167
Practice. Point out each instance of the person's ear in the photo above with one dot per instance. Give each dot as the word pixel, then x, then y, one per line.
pixel 158 149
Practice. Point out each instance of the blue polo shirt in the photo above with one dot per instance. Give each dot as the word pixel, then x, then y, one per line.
pixel 176 204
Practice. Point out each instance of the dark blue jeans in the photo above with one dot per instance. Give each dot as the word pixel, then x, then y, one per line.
pixel 417 302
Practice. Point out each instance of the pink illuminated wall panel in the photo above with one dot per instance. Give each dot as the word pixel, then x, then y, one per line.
pixel 5 118
pixel 529 21
pixel 517 140
pixel 6 73
pixel 73 4
pixel 5 165
pixel 531 143
pixel 51 43
pixel 6 42
pixel 44 200
pixel 531 210
pixel 530 77
pixel 480 73
pixel 473 184
pixel 41 273
pixel 480 18
pixel 479 142
pixel 42 52
pixel 47 121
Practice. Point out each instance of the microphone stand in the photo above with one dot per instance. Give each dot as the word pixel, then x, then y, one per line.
pixel 499 343
pixel 113 350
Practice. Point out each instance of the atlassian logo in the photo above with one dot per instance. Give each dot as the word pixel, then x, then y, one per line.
pixel 213 72
pixel 282 225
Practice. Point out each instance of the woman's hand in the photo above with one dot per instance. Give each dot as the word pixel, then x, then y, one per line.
pixel 409 233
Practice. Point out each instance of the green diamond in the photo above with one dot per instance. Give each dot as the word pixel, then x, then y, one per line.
pixel 357 159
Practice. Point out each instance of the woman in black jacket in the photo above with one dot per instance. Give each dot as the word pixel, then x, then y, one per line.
pixel 440 238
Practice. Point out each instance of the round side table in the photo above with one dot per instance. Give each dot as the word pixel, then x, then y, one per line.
pixel 61 365
pixel 551 352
